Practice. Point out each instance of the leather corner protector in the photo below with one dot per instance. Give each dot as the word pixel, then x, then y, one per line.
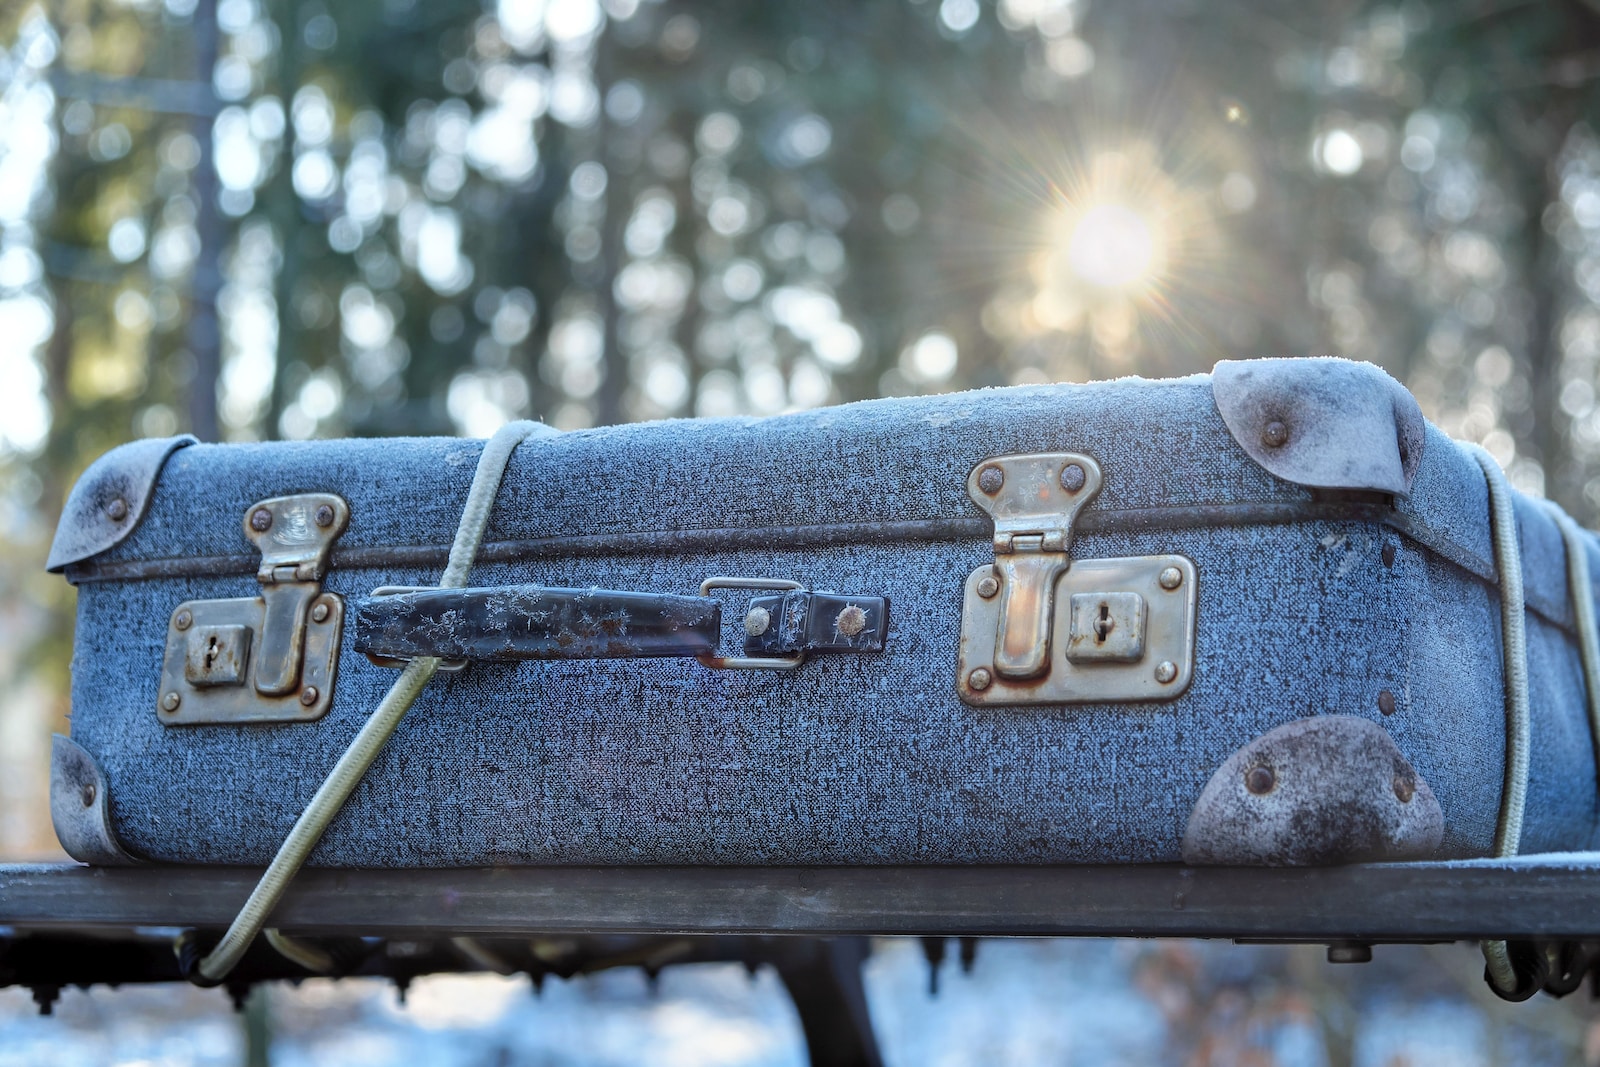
pixel 109 499
pixel 80 807
pixel 1315 792
pixel 1324 423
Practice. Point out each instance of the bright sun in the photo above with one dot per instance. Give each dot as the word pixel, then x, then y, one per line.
pixel 1112 246
pixel 1119 238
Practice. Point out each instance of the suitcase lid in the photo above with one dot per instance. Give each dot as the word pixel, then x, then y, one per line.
pixel 1256 441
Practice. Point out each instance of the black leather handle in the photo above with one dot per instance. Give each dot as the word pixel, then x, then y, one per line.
pixel 519 622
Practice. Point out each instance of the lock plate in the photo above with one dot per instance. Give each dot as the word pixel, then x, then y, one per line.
pixel 269 658
pixel 1084 665
pixel 206 700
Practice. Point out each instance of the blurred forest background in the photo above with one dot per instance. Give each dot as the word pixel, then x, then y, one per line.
pixel 282 218
pixel 291 218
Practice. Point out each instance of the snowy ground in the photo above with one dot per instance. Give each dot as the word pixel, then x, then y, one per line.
pixel 1026 1002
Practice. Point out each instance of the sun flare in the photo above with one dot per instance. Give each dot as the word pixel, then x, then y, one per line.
pixel 1112 246
pixel 1122 236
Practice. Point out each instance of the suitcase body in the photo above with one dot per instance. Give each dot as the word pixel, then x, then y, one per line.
pixel 1334 556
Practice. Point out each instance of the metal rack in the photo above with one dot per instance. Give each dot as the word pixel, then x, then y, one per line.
pixel 67 924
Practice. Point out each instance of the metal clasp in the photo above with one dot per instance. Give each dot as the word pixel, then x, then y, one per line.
pixel 1034 500
pixel 750 663
pixel 269 658
pixel 1037 628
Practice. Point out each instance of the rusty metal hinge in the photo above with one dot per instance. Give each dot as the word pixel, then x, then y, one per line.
pixel 1038 628
pixel 269 658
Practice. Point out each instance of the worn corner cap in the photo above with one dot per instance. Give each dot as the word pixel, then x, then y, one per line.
pixel 80 806
pixel 1327 790
pixel 109 499
pixel 1322 422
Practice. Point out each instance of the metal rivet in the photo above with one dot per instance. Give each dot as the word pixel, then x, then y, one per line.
pixel 324 515
pixel 308 695
pixel 1275 434
pixel 1260 780
pixel 980 679
pixel 1388 554
pixel 851 621
pixel 320 613
pixel 757 621
pixel 171 701
pixel 988 586
pixel 990 479
pixel 1171 578
pixel 1386 702
pixel 260 520
pixel 117 510
pixel 88 794
pixel 184 620
pixel 1404 788
pixel 1166 671
pixel 1072 477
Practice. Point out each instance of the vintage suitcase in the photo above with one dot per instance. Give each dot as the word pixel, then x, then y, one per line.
pixel 1263 616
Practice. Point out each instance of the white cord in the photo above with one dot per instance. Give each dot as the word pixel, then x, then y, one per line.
pixel 342 780
pixel 1514 641
pixel 309 956
pixel 1581 592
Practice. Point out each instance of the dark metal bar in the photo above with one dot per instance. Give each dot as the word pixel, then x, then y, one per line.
pixel 728 539
pixel 1552 897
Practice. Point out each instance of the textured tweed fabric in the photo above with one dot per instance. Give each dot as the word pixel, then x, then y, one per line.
pixel 853 758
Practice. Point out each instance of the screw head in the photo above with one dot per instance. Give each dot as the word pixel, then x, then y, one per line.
pixel 980 679
pixel 260 520
pixel 87 795
pixel 988 586
pixel 1404 788
pixel 1171 578
pixel 990 479
pixel 1386 702
pixel 184 620
pixel 1072 477
pixel 171 701
pixel 324 515
pixel 308 695
pixel 1260 780
pixel 117 510
pixel 757 621
pixel 320 613
pixel 851 621
pixel 1166 671
pixel 1275 434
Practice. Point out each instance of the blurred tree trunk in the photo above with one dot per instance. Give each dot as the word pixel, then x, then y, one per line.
pixel 205 335
pixel 614 379
pixel 284 207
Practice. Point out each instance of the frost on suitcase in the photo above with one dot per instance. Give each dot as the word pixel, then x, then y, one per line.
pixel 1252 617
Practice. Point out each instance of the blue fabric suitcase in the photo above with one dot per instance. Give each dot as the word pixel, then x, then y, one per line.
pixel 1268 615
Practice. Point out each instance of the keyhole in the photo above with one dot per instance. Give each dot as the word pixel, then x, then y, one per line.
pixel 1103 625
pixel 211 652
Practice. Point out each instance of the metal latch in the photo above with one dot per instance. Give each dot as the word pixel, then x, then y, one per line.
pixel 1038 628
pixel 269 658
